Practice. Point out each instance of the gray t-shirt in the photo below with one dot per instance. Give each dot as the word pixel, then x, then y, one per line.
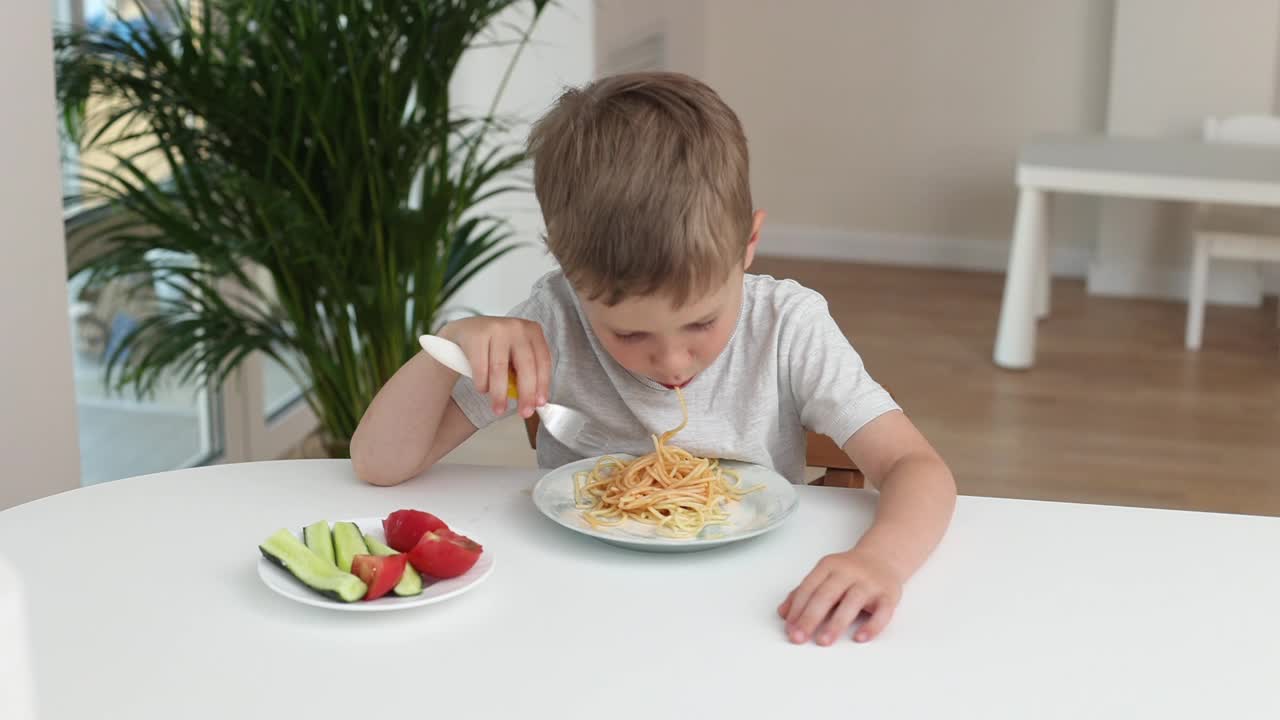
pixel 787 367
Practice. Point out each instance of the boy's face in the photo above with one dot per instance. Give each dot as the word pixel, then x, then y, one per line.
pixel 671 345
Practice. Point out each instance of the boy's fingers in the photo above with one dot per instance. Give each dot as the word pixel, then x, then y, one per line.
pixel 526 377
pixel 543 356
pixel 800 596
pixel 785 607
pixel 817 608
pixel 879 619
pixel 844 616
pixel 499 367
pixel 479 359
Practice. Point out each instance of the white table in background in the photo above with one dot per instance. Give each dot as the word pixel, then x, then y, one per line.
pixel 146 605
pixel 1151 169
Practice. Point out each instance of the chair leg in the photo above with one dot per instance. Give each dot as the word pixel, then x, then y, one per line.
pixel 1044 283
pixel 1196 296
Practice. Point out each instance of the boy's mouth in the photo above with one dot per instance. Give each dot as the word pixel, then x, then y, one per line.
pixel 673 386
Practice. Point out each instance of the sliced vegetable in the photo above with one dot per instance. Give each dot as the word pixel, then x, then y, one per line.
pixel 410 582
pixel 445 554
pixel 379 573
pixel 348 542
pixel 286 550
pixel 320 540
pixel 404 528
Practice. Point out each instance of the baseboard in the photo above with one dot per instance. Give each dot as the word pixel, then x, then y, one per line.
pixel 959 253
pixel 1230 283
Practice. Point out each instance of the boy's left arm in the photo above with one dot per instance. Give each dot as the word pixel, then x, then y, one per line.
pixel 917 497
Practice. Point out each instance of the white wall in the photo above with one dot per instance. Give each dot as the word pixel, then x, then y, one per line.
pixel 39 454
pixel 560 54
pixel 1176 62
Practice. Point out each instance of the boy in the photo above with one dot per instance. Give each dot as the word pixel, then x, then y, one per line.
pixel 643 183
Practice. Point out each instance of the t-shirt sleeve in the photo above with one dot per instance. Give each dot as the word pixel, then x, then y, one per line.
pixel 476 406
pixel 833 391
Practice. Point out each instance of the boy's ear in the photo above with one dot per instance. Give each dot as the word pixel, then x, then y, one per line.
pixel 757 222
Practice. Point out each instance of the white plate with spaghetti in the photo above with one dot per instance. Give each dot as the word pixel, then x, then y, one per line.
pixel 754 502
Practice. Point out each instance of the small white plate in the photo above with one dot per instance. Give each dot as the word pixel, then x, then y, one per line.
pixel 753 515
pixel 433 591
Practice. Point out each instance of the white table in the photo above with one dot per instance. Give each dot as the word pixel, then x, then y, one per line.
pixel 15 655
pixel 147 605
pixel 1152 169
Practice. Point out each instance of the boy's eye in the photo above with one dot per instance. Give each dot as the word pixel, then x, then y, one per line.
pixel 638 336
pixel 699 327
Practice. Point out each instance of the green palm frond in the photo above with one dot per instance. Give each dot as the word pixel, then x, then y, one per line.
pixel 290 136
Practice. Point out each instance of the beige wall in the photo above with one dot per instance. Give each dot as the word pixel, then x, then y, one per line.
pixel 894 117
pixel 904 116
pixel 683 23
pixel 39 454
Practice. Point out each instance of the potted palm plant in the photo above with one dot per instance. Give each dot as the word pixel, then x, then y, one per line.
pixel 293 174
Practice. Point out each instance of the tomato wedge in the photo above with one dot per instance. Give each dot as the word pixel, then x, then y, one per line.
pixel 445 554
pixel 404 528
pixel 380 573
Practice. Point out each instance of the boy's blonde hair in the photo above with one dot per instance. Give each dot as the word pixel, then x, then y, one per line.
pixel 643 182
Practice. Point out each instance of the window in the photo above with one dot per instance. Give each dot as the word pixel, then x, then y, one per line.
pixel 257 415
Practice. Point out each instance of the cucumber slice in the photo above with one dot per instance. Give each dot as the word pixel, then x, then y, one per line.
pixel 286 550
pixel 320 541
pixel 410 583
pixel 347 543
pixel 377 547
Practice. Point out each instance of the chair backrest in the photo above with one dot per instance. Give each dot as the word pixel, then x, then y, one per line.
pixel 17 701
pixel 1243 129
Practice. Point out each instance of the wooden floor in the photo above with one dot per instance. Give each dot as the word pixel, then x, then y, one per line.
pixel 1116 411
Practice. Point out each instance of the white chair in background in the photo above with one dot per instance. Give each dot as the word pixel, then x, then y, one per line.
pixel 17 701
pixel 1236 233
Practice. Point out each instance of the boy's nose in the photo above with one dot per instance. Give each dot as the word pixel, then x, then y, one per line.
pixel 672 362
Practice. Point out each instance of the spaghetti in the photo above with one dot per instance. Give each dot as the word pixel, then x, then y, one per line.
pixel 669 487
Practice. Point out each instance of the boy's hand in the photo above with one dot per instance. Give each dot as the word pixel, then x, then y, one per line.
pixel 836 591
pixel 497 345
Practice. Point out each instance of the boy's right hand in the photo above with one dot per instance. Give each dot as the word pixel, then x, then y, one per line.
pixel 495 346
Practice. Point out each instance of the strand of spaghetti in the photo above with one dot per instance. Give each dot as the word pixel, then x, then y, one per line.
pixel 669 487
